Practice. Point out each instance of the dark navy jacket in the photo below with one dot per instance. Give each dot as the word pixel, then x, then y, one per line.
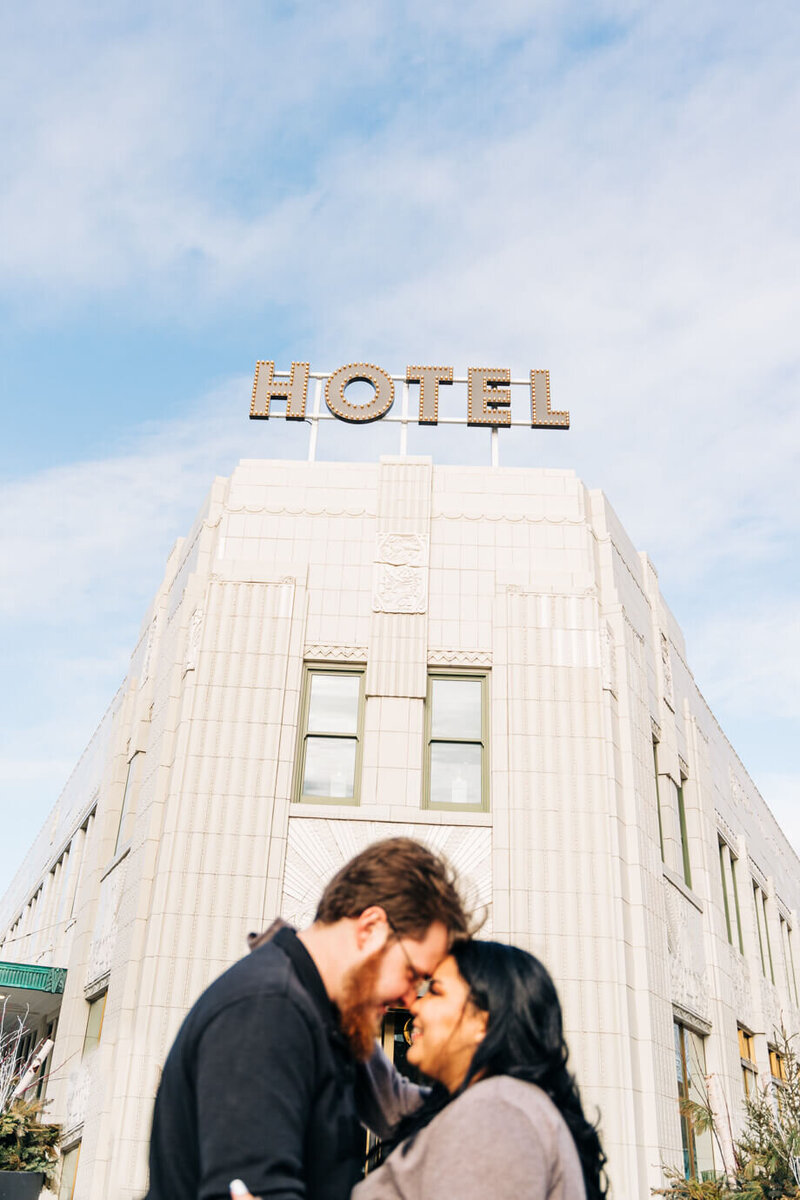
pixel 261 1086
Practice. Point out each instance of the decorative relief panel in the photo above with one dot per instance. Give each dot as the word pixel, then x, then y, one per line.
pixel 689 983
pixel 773 1017
pixel 334 652
pixel 401 573
pixel 78 1089
pixel 193 648
pixel 724 828
pixel 758 874
pixel 402 549
pixel 318 847
pixel 105 930
pixel 742 993
pixel 738 794
pixel 459 658
pixel 400 589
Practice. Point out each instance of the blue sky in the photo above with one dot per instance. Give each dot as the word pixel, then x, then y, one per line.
pixel 606 189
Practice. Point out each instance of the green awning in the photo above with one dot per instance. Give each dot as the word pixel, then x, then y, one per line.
pixel 36 979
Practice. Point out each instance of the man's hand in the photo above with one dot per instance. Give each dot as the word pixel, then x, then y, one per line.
pixel 239 1191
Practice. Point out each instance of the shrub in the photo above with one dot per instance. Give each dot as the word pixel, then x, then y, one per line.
pixel 26 1144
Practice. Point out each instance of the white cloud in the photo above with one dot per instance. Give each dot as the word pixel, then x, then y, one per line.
pixel 748 657
pixel 87 538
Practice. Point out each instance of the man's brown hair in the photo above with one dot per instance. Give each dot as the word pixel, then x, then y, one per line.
pixel 414 886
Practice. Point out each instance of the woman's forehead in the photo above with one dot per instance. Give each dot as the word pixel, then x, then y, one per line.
pixel 447 969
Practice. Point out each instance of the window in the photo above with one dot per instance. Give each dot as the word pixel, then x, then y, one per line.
pixel 777 1066
pixel 658 801
pixel 69 1169
pixel 725 902
pixel 747 1056
pixel 131 783
pixel 687 869
pixel 94 1024
pixel 329 749
pixel 44 1073
pixel 25 1047
pixel 690 1064
pixel 788 959
pixel 762 928
pixel 730 894
pixel 456 740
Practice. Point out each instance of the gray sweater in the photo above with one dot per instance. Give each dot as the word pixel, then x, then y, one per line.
pixel 501 1140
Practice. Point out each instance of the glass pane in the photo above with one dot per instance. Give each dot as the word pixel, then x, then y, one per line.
pixel 333 707
pixel 69 1168
pixel 679 1059
pixel 94 1023
pixel 330 767
pixel 455 774
pixel 456 707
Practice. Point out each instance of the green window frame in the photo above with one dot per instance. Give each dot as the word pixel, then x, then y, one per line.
pixel 687 866
pixel 329 741
pixel 443 744
pixel 788 958
pixel 767 937
pixel 726 905
pixel 658 801
pixel 727 871
pixel 734 885
pixel 760 902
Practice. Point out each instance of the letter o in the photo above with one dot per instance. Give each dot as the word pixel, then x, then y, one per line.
pixel 338 382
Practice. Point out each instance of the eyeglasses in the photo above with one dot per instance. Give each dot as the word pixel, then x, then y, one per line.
pixel 421 980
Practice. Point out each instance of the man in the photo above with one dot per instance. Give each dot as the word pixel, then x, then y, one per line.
pixel 276 1066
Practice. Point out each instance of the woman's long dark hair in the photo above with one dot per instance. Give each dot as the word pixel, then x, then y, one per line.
pixel 524 1039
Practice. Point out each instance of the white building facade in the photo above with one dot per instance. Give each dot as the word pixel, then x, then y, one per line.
pixel 475 657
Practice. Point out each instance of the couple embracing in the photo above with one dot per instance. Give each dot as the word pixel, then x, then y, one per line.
pixel 276 1071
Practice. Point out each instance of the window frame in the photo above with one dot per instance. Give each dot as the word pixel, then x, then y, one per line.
pixel 788 958
pixel 727 871
pixel 481 677
pixel 725 902
pixel 777 1066
pixel 683 831
pixel 747 1058
pixel 67 1192
pixel 658 801
pixel 100 999
pixel 311 669
pixel 682 1034
pixel 760 904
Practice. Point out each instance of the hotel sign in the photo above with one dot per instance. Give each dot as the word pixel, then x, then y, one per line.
pixel 488 394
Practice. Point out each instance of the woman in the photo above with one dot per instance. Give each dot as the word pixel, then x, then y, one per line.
pixel 505 1119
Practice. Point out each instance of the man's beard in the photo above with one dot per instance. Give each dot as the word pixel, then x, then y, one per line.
pixel 358 1007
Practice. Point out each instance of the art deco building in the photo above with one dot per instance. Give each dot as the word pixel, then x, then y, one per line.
pixel 479 658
